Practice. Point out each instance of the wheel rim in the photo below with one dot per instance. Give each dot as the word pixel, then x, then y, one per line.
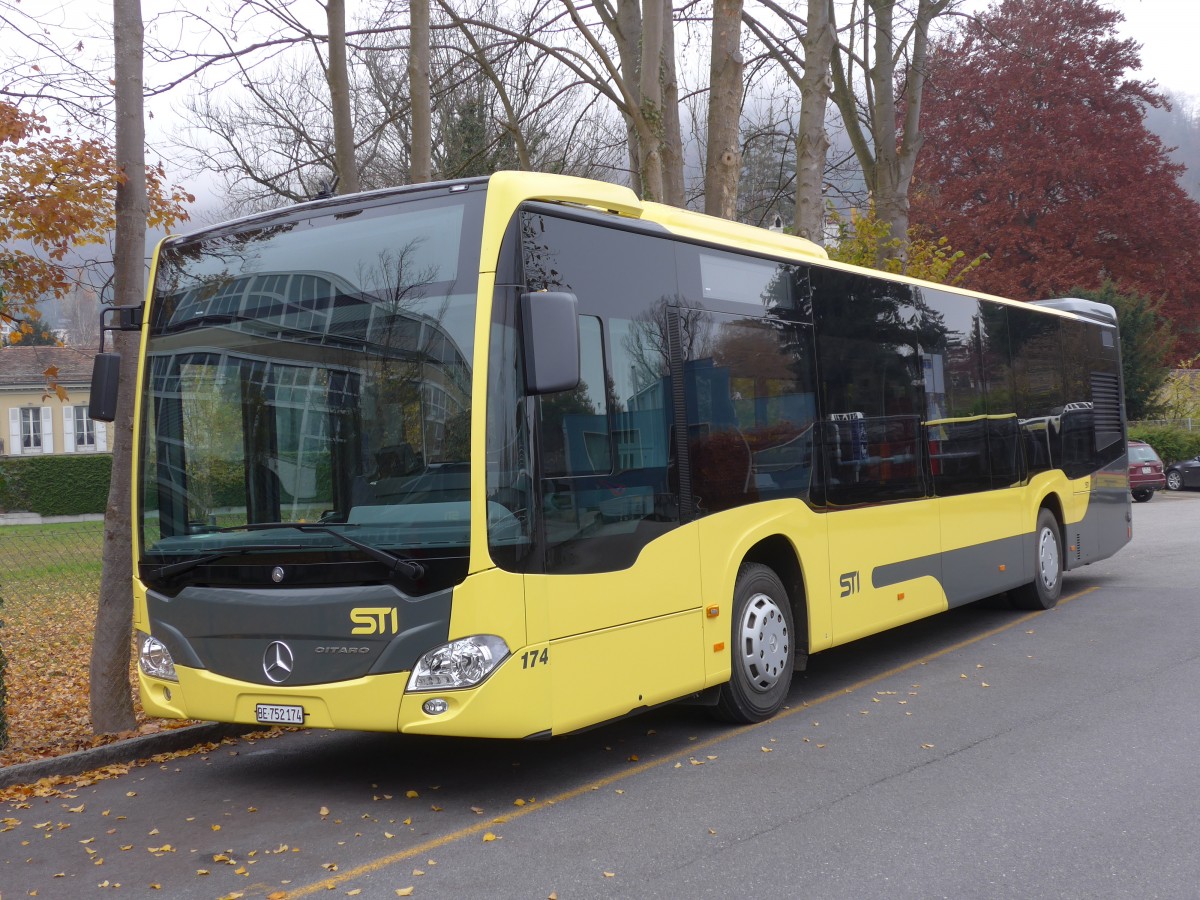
pixel 1173 480
pixel 764 642
pixel 1048 565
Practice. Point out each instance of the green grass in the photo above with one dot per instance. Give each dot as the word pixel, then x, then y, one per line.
pixel 56 556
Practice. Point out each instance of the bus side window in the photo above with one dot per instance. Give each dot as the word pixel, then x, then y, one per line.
pixel 869 335
pixel 750 410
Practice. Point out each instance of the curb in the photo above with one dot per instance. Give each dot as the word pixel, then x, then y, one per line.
pixel 127 751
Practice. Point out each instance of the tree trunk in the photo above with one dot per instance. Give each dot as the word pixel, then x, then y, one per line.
pixel 812 142
pixel 627 30
pixel 650 122
pixel 672 147
pixel 421 169
pixel 339 99
pixel 109 695
pixel 891 194
pixel 723 161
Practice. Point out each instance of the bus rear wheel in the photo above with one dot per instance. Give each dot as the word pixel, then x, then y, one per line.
pixel 763 648
pixel 1043 592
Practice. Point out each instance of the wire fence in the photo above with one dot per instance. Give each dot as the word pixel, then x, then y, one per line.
pixel 50 560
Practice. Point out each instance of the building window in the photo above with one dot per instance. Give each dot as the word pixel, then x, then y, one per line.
pixel 31 429
pixel 85 430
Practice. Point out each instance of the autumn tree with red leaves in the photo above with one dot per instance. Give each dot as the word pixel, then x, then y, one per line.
pixel 1037 153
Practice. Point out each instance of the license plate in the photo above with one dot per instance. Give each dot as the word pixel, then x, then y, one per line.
pixel 274 714
pixel 1146 470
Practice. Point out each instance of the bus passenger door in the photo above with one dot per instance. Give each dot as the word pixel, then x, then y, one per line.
pixel 621 589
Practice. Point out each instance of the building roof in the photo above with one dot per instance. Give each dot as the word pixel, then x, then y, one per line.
pixel 26 366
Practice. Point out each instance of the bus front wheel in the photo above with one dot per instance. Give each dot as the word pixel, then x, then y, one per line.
pixel 1043 592
pixel 763 648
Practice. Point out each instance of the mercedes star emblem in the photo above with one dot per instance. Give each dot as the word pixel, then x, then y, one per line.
pixel 277 574
pixel 278 661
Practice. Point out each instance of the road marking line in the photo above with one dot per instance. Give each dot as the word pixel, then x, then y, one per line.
pixel 434 843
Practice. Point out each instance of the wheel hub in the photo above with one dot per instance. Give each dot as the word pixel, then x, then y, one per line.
pixel 763 642
pixel 1048 559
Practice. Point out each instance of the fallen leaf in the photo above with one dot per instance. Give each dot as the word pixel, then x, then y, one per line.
pixel 411 795
pixel 323 811
pixel 404 892
pixel 610 874
pixel 488 837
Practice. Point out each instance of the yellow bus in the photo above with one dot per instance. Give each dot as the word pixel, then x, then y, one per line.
pixel 516 455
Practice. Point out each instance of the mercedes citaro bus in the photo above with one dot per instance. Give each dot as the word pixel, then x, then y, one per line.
pixel 512 456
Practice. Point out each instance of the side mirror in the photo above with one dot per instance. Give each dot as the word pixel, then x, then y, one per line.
pixel 106 376
pixel 106 369
pixel 550 325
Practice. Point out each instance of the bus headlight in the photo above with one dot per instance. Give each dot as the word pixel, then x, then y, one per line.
pixel 458 664
pixel 155 658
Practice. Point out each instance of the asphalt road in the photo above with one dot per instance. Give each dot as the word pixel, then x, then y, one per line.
pixel 983 753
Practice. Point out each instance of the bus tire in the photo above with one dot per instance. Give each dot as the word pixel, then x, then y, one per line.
pixel 1043 592
pixel 763 648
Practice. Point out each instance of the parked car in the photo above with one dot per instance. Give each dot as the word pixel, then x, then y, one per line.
pixel 1145 471
pixel 1183 474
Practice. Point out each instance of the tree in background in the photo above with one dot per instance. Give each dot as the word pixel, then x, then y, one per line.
pixel 866 240
pixel 32 331
pixel 1037 153
pixel 57 193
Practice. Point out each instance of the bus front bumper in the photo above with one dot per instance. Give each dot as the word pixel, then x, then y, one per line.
pixel 512 703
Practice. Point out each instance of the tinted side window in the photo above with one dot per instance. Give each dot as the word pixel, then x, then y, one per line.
pixel 957 424
pixel 1004 432
pixel 1036 343
pixel 869 332
pixel 607 480
pixel 751 408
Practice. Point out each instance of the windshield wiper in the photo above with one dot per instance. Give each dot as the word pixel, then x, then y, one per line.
pixel 395 563
pixel 172 569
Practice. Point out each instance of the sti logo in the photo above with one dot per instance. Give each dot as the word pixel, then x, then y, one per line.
pixel 375 620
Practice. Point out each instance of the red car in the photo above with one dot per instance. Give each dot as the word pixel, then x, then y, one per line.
pixel 1145 471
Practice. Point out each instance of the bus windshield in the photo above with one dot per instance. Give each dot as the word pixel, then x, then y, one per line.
pixel 305 384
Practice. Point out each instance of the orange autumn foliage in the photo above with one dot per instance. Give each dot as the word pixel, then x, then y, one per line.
pixel 57 193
